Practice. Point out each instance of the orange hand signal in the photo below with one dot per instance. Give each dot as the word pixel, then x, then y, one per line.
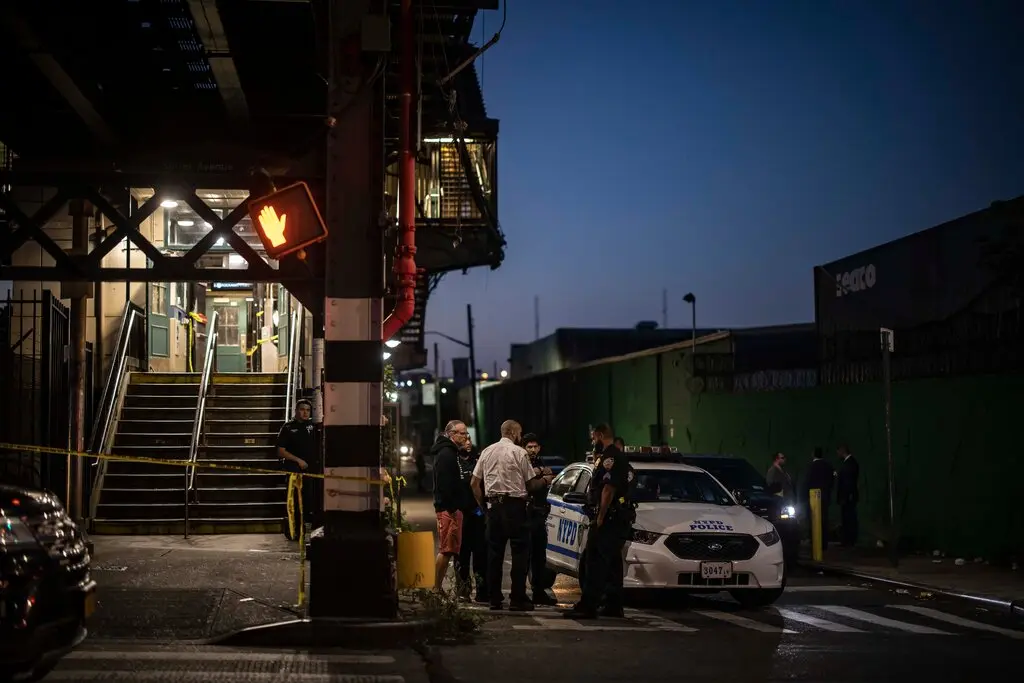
pixel 273 226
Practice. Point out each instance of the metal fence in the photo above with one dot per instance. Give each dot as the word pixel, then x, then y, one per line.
pixel 35 381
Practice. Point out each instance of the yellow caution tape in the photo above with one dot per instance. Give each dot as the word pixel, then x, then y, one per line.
pixel 177 463
pixel 294 488
pixel 259 343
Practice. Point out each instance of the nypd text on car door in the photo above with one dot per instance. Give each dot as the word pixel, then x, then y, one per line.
pixel 560 554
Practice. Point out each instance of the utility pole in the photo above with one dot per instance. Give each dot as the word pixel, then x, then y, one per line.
pixel 353 369
pixel 437 389
pixel 472 370
pixel 536 318
pixel 887 349
pixel 664 309
pixel 692 300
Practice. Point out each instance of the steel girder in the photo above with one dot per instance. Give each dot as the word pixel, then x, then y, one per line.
pixel 89 267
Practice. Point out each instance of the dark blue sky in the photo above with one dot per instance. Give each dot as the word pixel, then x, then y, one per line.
pixel 726 147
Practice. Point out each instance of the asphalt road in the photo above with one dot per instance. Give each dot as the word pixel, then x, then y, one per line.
pixel 824 628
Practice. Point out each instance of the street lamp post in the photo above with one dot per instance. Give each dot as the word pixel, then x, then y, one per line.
pixel 692 300
pixel 472 363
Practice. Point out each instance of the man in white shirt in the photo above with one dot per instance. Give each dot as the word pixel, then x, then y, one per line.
pixel 500 481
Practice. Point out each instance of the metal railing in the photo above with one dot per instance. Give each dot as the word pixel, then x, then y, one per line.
pixel 112 398
pixel 209 367
pixel 294 379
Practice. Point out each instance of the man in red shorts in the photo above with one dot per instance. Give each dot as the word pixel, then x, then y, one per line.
pixel 449 496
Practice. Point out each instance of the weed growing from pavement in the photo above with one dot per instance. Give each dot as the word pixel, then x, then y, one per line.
pixel 453 622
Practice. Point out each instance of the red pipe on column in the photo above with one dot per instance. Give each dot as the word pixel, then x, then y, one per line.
pixel 405 261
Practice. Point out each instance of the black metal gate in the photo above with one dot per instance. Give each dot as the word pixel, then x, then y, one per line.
pixel 35 381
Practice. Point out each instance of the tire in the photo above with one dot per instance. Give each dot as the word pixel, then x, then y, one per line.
pixel 759 597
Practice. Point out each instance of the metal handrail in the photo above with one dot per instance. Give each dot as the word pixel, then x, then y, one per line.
pixel 110 399
pixel 209 363
pixel 294 353
pixel 118 360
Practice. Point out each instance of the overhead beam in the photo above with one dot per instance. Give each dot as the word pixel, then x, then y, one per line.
pixel 211 33
pixel 50 68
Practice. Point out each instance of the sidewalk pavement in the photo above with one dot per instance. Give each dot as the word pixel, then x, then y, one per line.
pixel 997 587
pixel 171 588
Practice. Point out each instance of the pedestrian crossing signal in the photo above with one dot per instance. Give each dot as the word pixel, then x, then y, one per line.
pixel 287 220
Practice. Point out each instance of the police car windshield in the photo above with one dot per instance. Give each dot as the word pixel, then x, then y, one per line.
pixel 736 474
pixel 679 486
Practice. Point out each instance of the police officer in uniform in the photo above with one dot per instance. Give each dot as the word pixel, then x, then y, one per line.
pixel 611 519
pixel 537 509
pixel 297 452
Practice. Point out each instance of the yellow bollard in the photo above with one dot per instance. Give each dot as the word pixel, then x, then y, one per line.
pixel 817 552
pixel 416 559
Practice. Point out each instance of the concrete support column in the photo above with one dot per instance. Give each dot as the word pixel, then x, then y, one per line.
pixel 78 293
pixel 352 572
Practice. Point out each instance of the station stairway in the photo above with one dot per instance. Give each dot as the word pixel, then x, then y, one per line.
pixel 244 412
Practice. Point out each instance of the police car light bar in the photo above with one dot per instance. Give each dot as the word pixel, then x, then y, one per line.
pixel 651 449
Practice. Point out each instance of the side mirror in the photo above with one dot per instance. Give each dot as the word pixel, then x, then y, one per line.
pixel 575 498
pixel 740 497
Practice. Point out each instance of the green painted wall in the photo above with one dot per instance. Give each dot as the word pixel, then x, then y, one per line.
pixel 956 449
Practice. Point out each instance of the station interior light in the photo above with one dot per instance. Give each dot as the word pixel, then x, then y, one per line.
pixel 168 204
pixel 403 449
pixel 392 343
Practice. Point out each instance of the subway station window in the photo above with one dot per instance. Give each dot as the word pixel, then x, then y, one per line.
pixel 227 326
pixel 158 298
pixel 179 294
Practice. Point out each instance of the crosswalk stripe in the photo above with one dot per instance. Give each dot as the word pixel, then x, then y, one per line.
pixel 824 589
pixel 858 615
pixel 109 676
pixel 742 621
pixel 959 621
pixel 542 624
pixel 229 656
pixel 659 622
pixel 816 622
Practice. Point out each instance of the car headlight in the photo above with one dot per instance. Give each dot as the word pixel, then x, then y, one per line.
pixel 645 537
pixel 787 512
pixel 769 538
pixel 15 534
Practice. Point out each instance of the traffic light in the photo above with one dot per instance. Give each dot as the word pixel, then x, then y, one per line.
pixel 287 220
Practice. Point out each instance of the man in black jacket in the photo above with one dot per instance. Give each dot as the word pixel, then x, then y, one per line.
pixel 848 495
pixel 449 497
pixel 820 475
pixel 473 554
pixel 537 515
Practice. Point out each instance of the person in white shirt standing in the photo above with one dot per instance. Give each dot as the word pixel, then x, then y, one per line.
pixel 500 481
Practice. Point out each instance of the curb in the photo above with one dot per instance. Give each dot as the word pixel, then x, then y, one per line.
pixel 323 632
pixel 1014 608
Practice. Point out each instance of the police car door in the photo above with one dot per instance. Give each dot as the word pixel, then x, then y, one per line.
pixel 559 553
pixel 577 521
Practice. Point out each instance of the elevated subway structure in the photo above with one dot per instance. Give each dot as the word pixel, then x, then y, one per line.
pixel 132 135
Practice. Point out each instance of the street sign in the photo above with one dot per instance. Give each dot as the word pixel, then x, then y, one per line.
pixel 287 220
pixel 887 339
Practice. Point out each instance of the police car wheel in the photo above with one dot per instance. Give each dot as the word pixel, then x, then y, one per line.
pixel 760 597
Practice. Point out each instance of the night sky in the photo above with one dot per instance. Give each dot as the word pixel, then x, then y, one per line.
pixel 726 147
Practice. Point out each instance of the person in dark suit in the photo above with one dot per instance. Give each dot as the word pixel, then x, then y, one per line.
pixel 848 495
pixel 820 475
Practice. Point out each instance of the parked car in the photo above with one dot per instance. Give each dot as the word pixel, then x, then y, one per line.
pixel 46 592
pixel 751 491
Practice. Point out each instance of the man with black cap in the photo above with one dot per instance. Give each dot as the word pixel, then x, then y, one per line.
pixel 297 452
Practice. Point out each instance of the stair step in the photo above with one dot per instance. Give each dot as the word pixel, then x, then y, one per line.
pixel 206 477
pixel 231 426
pixel 151 401
pixel 272 401
pixel 171 511
pixel 176 527
pixel 163 390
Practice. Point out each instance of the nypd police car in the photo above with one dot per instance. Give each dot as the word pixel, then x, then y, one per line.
pixel 690 534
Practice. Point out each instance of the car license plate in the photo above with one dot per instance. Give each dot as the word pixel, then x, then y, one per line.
pixel 716 570
pixel 90 604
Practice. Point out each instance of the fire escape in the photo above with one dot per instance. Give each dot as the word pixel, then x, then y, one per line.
pixel 457 200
